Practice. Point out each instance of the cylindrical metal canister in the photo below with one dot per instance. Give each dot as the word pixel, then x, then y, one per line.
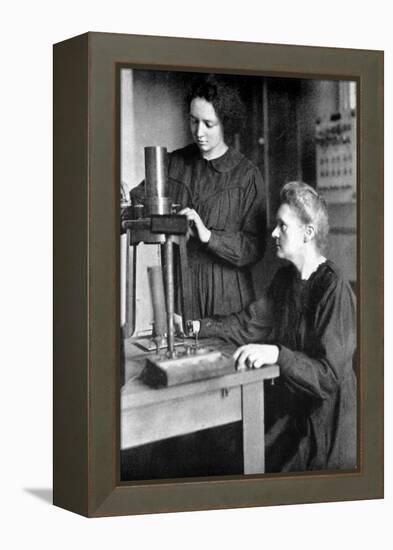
pixel 158 205
pixel 156 172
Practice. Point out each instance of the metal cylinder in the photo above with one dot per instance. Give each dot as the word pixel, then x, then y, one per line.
pixel 158 300
pixel 158 205
pixel 170 293
pixel 156 182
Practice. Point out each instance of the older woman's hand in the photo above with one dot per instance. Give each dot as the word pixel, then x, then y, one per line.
pixel 255 356
pixel 197 227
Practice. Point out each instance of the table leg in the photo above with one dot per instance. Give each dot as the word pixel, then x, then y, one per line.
pixel 253 428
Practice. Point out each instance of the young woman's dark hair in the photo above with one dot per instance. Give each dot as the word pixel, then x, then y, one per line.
pixel 224 98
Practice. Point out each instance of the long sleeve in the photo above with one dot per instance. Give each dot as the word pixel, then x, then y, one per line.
pixel 246 246
pixel 319 369
pixel 137 193
pixel 253 324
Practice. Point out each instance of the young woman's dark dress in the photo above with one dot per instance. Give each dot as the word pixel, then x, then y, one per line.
pixel 311 409
pixel 228 194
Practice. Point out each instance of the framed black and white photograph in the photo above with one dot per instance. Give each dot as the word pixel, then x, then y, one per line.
pixel 214 275
pixel 219 149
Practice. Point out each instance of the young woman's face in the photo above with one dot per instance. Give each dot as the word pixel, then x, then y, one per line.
pixel 206 128
pixel 289 234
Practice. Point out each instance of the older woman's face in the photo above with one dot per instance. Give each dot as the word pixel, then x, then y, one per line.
pixel 206 128
pixel 289 234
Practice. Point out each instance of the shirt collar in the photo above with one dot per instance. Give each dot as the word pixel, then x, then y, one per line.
pixel 227 161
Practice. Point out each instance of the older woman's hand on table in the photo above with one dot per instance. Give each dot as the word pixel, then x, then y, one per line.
pixel 255 356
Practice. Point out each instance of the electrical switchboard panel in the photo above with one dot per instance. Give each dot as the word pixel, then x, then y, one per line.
pixel 336 158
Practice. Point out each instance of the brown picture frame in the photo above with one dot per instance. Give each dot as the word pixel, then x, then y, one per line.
pixel 86 274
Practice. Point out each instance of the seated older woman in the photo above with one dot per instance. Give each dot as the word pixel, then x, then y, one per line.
pixel 306 323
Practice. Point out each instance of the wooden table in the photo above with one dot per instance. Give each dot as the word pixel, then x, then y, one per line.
pixel 149 415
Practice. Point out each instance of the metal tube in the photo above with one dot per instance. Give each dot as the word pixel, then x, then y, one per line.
pixel 170 293
pixel 156 172
pixel 158 300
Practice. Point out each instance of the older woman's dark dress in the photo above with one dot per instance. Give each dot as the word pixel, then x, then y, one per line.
pixel 311 409
pixel 228 194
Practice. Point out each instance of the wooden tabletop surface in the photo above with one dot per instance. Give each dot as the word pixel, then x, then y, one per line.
pixel 135 393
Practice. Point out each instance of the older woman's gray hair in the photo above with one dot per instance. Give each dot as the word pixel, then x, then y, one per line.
pixel 309 206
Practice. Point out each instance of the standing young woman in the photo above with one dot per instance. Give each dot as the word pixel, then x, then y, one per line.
pixel 222 194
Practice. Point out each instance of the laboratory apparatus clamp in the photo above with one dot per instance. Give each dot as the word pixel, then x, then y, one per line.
pixel 154 220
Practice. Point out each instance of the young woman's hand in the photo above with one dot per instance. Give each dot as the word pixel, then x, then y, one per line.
pixel 196 226
pixel 254 356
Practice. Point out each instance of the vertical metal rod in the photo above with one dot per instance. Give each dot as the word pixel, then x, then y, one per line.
pixel 170 293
